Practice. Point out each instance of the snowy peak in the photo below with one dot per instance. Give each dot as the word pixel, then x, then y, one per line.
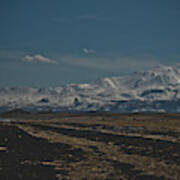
pixel 159 84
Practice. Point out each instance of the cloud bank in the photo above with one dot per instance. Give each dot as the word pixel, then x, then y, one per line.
pixel 124 64
pixel 38 59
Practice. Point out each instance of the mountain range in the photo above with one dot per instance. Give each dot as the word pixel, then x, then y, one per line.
pixel 155 90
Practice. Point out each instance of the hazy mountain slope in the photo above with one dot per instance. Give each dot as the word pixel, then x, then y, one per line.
pixel 152 90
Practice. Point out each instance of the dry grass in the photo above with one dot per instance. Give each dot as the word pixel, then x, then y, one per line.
pixel 104 155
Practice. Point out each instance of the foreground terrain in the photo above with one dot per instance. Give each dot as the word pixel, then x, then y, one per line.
pixel 90 146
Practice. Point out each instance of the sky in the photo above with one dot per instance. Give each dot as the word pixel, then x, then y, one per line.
pixel 52 43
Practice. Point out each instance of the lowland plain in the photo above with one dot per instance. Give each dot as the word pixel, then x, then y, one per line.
pixel 97 146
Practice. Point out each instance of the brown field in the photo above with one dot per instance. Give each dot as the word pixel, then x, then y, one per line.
pixel 90 146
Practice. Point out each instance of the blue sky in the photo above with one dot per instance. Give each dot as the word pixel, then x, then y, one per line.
pixel 52 43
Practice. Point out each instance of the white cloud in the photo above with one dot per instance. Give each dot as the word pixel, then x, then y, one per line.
pixel 89 51
pixel 38 59
pixel 124 64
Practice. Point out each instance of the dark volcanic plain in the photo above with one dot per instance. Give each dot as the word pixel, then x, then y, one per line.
pixel 97 146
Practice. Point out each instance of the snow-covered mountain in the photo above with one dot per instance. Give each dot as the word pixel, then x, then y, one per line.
pixel 154 90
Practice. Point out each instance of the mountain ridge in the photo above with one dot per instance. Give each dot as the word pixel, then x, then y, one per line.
pixel 150 90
